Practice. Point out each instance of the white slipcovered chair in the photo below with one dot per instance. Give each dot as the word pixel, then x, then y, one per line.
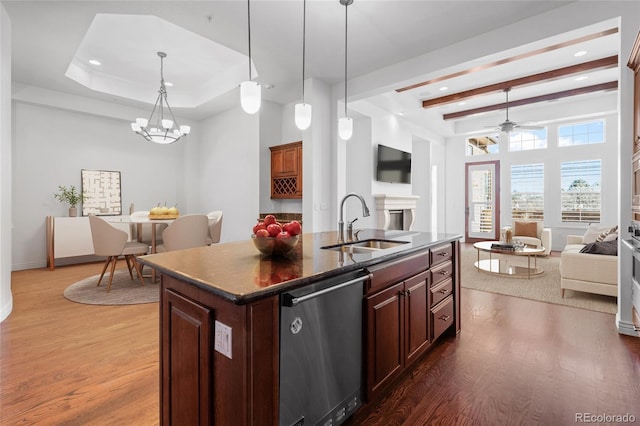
pixel 185 232
pixel 532 233
pixel 112 243
pixel 215 226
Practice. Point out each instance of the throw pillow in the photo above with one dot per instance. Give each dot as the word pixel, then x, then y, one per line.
pixel 606 232
pixel 609 248
pixel 592 233
pixel 611 237
pixel 526 229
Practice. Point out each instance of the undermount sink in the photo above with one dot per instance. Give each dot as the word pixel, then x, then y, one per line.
pixel 365 246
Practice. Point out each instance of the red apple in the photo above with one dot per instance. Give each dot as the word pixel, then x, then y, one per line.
pixel 283 234
pixel 293 227
pixel 269 219
pixel 274 229
pixel 261 233
pixel 259 225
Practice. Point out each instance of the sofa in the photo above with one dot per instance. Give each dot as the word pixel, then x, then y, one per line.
pixel 590 272
pixel 533 233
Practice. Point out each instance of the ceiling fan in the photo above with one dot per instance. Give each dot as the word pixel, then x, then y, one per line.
pixel 508 125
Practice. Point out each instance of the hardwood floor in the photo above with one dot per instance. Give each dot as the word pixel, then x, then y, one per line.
pixel 515 362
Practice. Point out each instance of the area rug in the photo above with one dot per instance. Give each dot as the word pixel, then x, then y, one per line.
pixel 124 290
pixel 544 287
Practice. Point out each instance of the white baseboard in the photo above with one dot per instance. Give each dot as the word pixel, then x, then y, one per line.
pixel 627 328
pixel 6 309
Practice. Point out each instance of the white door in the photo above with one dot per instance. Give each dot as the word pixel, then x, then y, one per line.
pixel 482 205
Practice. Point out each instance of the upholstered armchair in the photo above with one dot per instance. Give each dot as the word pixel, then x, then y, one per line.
pixel 533 233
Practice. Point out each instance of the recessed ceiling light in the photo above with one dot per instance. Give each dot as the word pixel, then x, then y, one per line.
pixel 580 53
pixel 443 88
pixel 582 77
pixel 168 83
pixel 94 62
pixel 269 86
pixel 401 113
pixel 461 103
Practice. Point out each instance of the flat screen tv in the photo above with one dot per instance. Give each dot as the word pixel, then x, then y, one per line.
pixel 394 165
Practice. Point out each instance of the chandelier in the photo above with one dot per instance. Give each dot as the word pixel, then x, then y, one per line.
pixel 159 129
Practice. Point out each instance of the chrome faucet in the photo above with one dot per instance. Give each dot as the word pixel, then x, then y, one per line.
pixel 365 213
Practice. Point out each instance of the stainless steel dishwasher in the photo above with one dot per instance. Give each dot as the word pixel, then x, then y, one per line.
pixel 321 351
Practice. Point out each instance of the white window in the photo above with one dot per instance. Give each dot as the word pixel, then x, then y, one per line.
pixel 581 133
pixel 524 140
pixel 580 181
pixel 481 145
pixel 527 191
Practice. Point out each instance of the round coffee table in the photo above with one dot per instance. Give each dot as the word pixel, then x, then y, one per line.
pixel 501 267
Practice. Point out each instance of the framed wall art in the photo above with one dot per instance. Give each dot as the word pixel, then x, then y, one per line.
pixel 101 191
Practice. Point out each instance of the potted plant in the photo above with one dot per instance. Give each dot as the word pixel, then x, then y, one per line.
pixel 71 197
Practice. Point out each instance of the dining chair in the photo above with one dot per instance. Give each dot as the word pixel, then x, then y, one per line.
pixel 112 242
pixel 186 231
pixel 215 226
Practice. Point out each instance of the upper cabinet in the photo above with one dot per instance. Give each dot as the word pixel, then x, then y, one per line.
pixel 286 170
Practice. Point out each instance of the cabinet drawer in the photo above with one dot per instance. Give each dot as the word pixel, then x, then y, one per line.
pixel 389 273
pixel 441 254
pixel 442 317
pixel 441 273
pixel 440 291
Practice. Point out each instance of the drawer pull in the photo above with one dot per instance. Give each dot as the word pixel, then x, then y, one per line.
pixel 443 291
pixel 444 318
pixel 443 254
pixel 445 272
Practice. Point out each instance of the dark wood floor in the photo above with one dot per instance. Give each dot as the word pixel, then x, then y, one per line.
pixel 516 362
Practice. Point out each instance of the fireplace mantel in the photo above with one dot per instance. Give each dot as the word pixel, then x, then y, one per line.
pixel 386 203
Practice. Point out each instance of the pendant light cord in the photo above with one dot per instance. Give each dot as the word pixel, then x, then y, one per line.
pixel 346 6
pixel 304 38
pixel 249 28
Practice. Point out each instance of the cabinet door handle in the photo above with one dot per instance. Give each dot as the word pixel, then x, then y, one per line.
pixel 443 291
pixel 444 318
pixel 443 254
pixel 445 272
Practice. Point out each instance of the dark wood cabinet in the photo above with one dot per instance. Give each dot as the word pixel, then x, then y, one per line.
pixel 186 361
pixel 286 170
pixel 398 318
pixel 201 386
pixel 410 302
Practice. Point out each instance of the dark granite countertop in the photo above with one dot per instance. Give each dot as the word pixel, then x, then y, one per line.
pixel 237 271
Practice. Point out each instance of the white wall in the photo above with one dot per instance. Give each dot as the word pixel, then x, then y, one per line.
pixel 230 170
pixel 6 237
pixel 271 117
pixel 52 146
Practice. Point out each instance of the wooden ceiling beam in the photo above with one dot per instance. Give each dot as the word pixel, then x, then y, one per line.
pixel 611 85
pixel 512 59
pixel 602 63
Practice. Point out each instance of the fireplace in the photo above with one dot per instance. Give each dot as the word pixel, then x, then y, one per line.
pixel 395 211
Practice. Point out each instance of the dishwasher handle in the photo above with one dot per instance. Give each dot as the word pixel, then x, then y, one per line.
pixel 289 300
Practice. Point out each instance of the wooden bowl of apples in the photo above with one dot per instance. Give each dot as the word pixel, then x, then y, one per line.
pixel 275 239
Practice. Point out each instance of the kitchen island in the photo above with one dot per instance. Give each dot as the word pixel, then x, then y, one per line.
pixel 220 317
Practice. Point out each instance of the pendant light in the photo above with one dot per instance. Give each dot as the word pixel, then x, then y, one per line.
pixel 250 95
pixel 345 124
pixel 159 128
pixel 303 110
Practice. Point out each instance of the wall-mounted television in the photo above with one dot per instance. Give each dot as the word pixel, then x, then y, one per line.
pixel 393 165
